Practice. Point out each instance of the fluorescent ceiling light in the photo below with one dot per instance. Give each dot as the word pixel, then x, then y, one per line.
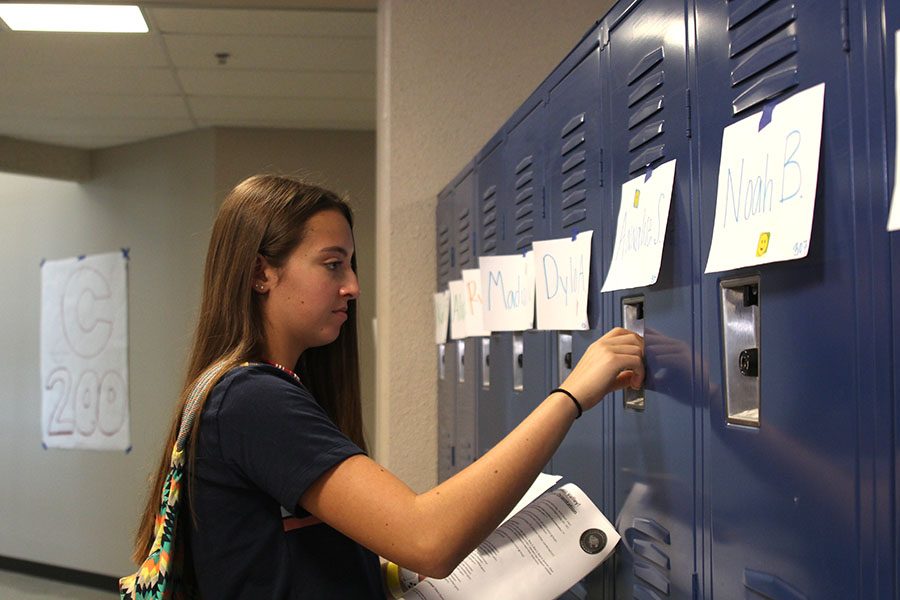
pixel 91 18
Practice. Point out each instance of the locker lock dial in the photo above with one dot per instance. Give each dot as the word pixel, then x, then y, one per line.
pixel 748 362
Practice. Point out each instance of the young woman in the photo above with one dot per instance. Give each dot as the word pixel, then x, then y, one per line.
pixel 284 502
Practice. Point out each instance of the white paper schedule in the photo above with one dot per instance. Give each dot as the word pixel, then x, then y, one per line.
pixel 538 554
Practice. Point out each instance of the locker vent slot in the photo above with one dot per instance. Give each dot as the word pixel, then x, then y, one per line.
pixel 763 48
pixel 524 200
pixel 572 189
pixel 489 216
pixel 645 78
pixel 645 111
pixel 464 239
pixel 444 253
pixel 649 542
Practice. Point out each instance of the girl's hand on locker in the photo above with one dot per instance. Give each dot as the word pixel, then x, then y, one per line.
pixel 613 362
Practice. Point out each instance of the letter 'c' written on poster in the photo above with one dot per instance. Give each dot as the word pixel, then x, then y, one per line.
pixel 474 310
pixel 441 316
pixel 457 290
pixel 641 230
pixel 894 216
pixel 541 552
pixel 507 286
pixel 767 184
pixel 562 269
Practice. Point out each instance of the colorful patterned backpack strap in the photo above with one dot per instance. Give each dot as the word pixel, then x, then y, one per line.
pixel 156 578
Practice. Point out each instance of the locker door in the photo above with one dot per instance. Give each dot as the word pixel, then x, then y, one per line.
pixel 574 156
pixel 645 64
pixel 491 198
pixel 783 507
pixel 574 150
pixel 470 348
pixel 528 354
pixel 882 22
pixel 446 353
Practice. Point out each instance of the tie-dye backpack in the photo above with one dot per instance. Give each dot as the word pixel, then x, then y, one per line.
pixel 159 577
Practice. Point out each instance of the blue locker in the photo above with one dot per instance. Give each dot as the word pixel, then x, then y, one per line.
pixel 574 151
pixel 492 200
pixel 468 350
pixel 526 355
pixel 782 505
pixel 446 353
pixel 574 147
pixel 654 431
pixel 882 20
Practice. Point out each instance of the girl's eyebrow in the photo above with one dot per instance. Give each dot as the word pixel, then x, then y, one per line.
pixel 338 249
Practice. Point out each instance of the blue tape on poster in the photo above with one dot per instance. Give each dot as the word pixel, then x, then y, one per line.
pixel 125 252
pixel 649 173
pixel 766 118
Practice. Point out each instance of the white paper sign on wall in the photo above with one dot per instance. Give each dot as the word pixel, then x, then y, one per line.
pixel 641 229
pixel 894 216
pixel 507 285
pixel 441 316
pixel 562 269
pixel 457 290
pixel 84 352
pixel 767 184
pixel 474 304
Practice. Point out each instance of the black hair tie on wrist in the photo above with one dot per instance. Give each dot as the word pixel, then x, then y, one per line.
pixel 569 394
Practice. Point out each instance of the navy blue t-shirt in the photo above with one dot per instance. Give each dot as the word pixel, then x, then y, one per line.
pixel 263 441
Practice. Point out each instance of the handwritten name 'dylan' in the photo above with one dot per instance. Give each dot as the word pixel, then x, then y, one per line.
pixel 754 194
pixel 572 280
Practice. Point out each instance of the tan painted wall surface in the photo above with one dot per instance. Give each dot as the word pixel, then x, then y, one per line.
pixel 449 74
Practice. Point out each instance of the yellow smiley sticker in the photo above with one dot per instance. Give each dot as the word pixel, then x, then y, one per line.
pixel 763 245
pixel 637 197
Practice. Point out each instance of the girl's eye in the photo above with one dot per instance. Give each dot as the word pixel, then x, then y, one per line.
pixel 332 266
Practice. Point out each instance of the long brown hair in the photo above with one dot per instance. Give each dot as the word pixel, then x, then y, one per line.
pixel 264 215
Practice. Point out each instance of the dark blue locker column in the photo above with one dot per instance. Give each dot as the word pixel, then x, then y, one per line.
pixel 574 193
pixel 573 190
pixel 528 353
pixel 783 499
pixel 645 67
pixel 468 350
pixel 495 374
pixel 446 353
pixel 882 20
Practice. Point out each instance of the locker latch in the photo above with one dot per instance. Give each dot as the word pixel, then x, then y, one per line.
pixel 461 360
pixel 486 362
pixel 518 362
pixel 633 320
pixel 564 355
pixel 740 300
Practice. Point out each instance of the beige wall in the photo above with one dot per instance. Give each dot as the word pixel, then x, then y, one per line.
pixel 449 74
pixel 78 509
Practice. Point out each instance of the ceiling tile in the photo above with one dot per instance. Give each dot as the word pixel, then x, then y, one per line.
pixel 307 23
pixel 212 108
pixel 234 82
pixel 273 53
pixel 92 106
pixel 96 80
pixel 81 51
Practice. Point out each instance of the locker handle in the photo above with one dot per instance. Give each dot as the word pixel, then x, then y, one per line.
pixel 568 360
pixel 770 586
pixel 519 360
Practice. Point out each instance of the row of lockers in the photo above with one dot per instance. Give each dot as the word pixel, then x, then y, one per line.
pixel 786 485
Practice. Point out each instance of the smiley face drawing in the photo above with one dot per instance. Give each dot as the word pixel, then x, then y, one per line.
pixel 763 245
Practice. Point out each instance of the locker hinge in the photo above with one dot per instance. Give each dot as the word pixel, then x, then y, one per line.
pixel 845 25
pixel 543 203
pixel 687 109
pixel 601 167
pixel 695 587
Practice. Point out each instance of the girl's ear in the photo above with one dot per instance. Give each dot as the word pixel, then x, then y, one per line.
pixel 263 275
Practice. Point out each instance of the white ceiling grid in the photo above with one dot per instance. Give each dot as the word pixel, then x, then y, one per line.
pixel 286 69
